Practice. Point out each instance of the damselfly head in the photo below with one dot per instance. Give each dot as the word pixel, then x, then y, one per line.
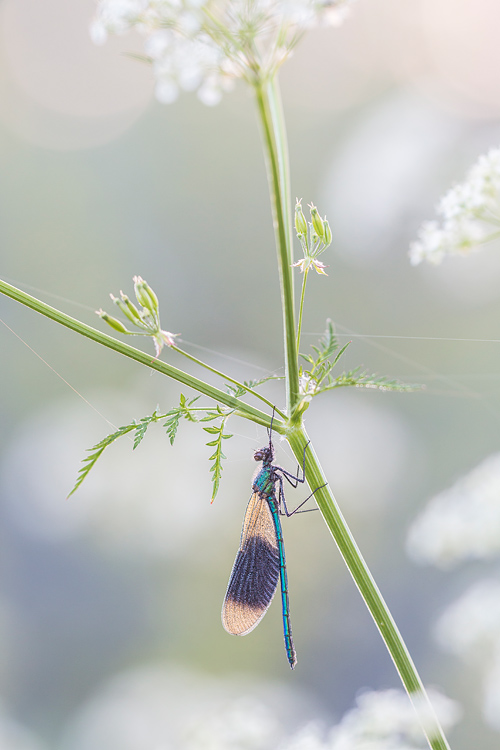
pixel 265 454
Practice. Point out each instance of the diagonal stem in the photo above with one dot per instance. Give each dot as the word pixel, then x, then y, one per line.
pixel 368 589
pixel 229 379
pixel 243 409
pixel 274 137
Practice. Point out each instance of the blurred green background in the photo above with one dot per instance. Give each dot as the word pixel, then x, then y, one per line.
pixel 110 602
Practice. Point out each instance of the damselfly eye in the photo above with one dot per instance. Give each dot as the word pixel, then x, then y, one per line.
pixel 263 454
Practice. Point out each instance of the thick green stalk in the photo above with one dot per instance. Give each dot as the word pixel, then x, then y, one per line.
pixel 298 439
pixel 278 177
pixel 242 408
pixel 276 151
pixel 277 162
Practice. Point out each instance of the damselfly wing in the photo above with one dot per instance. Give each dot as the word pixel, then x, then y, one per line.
pixel 256 570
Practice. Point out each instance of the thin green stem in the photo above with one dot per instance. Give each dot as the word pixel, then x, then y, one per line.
pixel 276 151
pixel 277 162
pixel 275 146
pixel 230 380
pixel 301 308
pixel 368 589
pixel 242 409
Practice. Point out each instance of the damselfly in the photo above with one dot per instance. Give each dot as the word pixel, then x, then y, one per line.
pixel 260 559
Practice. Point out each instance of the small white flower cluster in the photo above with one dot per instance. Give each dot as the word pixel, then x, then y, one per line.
pixel 462 522
pixel 204 45
pixel 384 720
pixel 472 622
pixel 470 215
pixel 470 628
pixel 172 707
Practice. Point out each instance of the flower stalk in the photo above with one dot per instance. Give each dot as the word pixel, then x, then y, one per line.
pixel 298 439
pixel 240 407
pixel 162 41
pixel 275 147
pixel 276 153
pixel 314 238
pixel 147 320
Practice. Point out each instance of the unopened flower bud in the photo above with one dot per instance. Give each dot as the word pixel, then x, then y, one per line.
pixel 154 304
pixel 300 221
pixel 146 317
pixel 317 222
pixel 127 307
pixel 328 234
pixel 144 298
pixel 113 322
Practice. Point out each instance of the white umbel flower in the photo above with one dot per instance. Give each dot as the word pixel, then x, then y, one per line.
pixel 115 17
pixel 203 45
pixel 470 215
pixel 463 522
pixel 470 629
pixel 472 622
pixel 386 720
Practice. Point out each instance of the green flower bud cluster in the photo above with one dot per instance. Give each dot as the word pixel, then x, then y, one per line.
pixel 146 317
pixel 300 221
pixel 314 238
pixel 321 227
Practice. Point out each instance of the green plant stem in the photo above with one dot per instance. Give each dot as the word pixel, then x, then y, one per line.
pixel 275 146
pixel 301 308
pixel 368 589
pixel 230 380
pixel 276 151
pixel 274 137
pixel 242 409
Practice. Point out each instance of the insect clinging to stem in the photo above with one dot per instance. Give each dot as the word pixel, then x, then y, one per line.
pixel 260 559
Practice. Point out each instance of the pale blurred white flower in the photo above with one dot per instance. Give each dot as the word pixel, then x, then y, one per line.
pixel 491 693
pixel 172 708
pixel 387 720
pixel 154 707
pixel 309 737
pixel 244 723
pixel 381 720
pixel 471 624
pixel 470 214
pixel 460 522
pixel 470 628
pixel 115 17
pixel 205 44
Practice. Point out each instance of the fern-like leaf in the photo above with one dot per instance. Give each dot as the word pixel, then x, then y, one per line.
pixel 172 424
pixel 139 428
pixel 239 390
pixel 175 416
pixel 217 456
pixel 318 377
pixel 97 450
pixel 143 426
pixel 363 379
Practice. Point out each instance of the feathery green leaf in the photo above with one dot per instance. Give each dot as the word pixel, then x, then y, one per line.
pixel 217 456
pixel 97 450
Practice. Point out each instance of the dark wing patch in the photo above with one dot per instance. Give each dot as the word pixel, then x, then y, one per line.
pixel 255 573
